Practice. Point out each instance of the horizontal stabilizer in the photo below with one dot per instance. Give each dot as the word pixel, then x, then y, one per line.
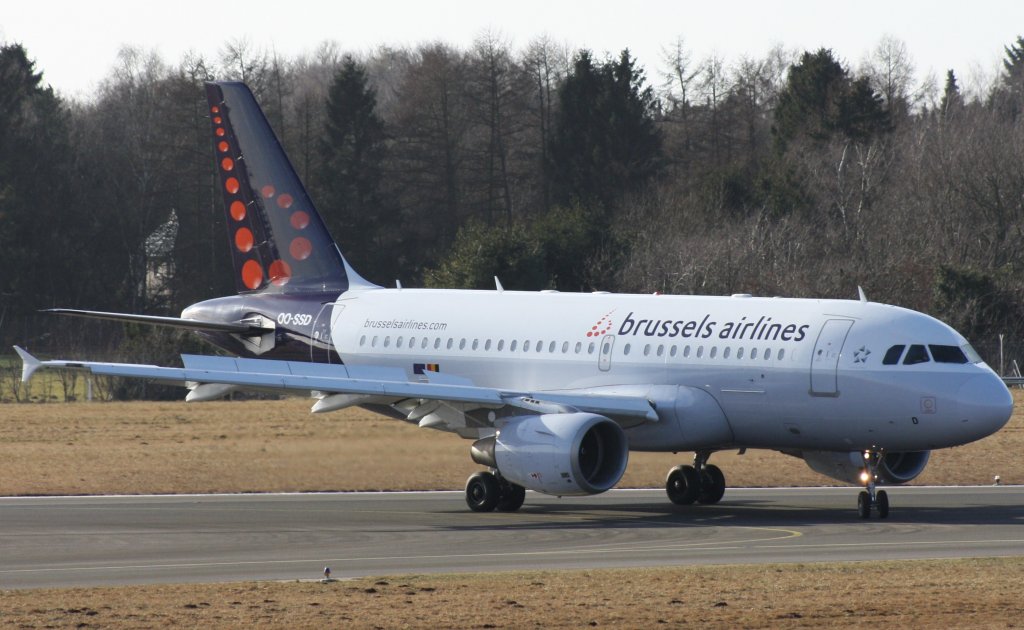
pixel 242 328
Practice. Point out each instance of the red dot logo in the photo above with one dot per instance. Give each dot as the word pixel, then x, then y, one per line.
pixel 227 164
pixel 237 210
pixel 285 201
pixel 280 273
pixel 223 146
pixel 267 191
pixel 300 248
pixel 231 185
pixel 243 239
pixel 299 220
pixel 252 274
pixel 214 110
pixel 602 326
pixel 219 132
pixel 216 120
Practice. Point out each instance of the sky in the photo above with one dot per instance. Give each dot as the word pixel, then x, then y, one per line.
pixel 75 43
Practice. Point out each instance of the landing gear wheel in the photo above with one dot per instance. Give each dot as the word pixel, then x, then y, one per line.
pixel 512 497
pixel 712 485
pixel 882 503
pixel 683 485
pixel 864 504
pixel 482 492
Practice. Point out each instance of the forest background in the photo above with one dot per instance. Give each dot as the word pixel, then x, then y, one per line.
pixel 797 174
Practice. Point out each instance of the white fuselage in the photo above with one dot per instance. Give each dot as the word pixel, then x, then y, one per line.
pixel 733 371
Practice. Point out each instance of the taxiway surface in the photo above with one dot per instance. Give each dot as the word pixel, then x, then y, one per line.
pixel 85 541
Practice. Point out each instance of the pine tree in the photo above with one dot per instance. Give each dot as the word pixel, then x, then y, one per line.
pixel 605 142
pixel 353 152
pixel 952 101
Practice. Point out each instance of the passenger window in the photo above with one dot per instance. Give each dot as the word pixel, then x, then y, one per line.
pixel 423 344
pixel 673 351
pixel 362 340
pixel 551 347
pixel 512 346
pixel 700 351
pixel 661 350
pixel 526 346
pixel 767 354
pixel 590 348
pixel 579 346
pixel 373 342
pixel 540 346
pixel 462 344
pixel 686 351
pixel 782 353
pixel 892 355
pixel 565 347
pixel 739 353
pixel 916 354
pixel 725 353
pixel 647 349
pixel 753 353
pixel 501 345
pixel 398 342
pixel 625 350
pixel 412 342
pixel 714 352
pixel 487 345
pixel 437 343
pixel 450 343
pixel 947 354
pixel 387 341
pixel 476 343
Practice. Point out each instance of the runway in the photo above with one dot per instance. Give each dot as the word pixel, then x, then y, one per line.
pixel 87 541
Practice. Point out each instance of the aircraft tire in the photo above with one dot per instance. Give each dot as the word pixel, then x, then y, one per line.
pixel 864 504
pixel 512 497
pixel 712 485
pixel 683 485
pixel 882 503
pixel 482 492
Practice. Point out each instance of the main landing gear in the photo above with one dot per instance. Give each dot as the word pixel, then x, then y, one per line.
pixel 701 483
pixel 486 492
pixel 869 499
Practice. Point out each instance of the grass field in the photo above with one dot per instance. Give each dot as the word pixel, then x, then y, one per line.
pixel 911 594
pixel 275 446
pixel 174 447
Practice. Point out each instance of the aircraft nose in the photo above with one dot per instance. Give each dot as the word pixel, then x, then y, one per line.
pixel 985 404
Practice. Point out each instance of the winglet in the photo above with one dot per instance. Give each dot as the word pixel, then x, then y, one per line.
pixel 29 364
pixel 860 293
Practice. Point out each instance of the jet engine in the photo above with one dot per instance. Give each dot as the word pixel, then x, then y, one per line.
pixel 564 454
pixel 893 469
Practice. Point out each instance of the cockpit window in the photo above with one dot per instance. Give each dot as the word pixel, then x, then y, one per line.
pixel 916 354
pixel 972 354
pixel 947 354
pixel 892 355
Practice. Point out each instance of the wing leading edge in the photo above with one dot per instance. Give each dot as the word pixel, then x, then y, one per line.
pixel 339 386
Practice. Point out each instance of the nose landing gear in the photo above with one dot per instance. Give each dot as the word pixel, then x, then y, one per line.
pixel 869 498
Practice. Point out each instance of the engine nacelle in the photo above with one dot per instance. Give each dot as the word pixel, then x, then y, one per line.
pixel 563 454
pixel 894 469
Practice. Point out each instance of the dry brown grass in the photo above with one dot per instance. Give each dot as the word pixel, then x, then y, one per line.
pixel 173 447
pixel 911 594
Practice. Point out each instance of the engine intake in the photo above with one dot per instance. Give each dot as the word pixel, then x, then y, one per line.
pixel 563 454
pixel 894 469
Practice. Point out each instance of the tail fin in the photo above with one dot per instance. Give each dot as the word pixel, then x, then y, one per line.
pixel 279 242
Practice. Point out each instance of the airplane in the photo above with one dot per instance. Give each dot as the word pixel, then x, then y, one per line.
pixel 555 389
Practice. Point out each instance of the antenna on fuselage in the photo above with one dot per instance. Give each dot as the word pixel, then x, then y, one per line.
pixel 860 292
pixel 497 285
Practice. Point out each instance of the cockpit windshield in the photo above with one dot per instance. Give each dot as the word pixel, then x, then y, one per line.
pixel 918 353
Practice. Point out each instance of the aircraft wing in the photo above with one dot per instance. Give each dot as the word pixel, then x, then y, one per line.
pixel 339 386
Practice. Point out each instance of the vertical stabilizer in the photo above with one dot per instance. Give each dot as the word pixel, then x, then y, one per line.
pixel 278 240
